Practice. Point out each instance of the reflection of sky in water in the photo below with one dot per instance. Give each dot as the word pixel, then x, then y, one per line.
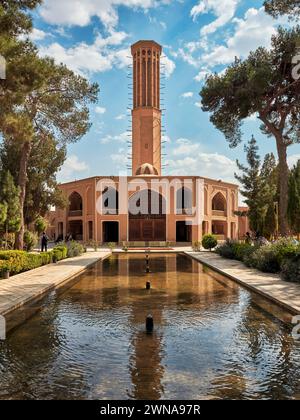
pixel 212 339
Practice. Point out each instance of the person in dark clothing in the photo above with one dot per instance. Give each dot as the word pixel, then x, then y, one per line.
pixel 44 242
pixel 248 239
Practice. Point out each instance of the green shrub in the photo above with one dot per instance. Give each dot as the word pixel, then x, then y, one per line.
pixel 74 249
pixel 59 253
pixel 40 225
pixel 20 261
pixel 94 245
pixel 30 240
pixel 111 246
pixel 227 249
pixel 196 245
pixel 209 242
pixel 234 250
pixel 4 268
pixel 46 257
pixel 291 269
pixel 270 258
pixel 264 259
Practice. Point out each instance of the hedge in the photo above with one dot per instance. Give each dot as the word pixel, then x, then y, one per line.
pixel 282 256
pixel 20 261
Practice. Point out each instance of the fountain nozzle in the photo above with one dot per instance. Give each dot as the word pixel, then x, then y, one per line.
pixel 149 324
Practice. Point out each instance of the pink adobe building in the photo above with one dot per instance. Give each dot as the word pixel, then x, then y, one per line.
pixel 147 207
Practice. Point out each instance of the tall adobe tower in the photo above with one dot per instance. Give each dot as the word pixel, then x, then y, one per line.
pixel 146 113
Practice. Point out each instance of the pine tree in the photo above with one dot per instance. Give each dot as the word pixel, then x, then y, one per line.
pixel 253 187
pixel 294 199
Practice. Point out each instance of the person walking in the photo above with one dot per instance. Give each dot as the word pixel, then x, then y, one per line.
pixel 44 242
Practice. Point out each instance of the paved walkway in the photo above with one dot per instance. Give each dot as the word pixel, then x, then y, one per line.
pixel 26 287
pixel 269 285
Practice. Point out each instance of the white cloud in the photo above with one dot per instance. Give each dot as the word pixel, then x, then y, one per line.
pixel 187 95
pixel 71 167
pixel 170 66
pixel 37 35
pixel 101 56
pixel 100 110
pixel 185 147
pixel 198 104
pixel 186 56
pixel 224 11
pixel 120 159
pixel 202 75
pixel 119 138
pixel 209 165
pixel 80 12
pixel 255 30
pixel 120 117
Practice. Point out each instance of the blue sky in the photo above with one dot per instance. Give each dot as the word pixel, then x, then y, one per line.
pixel 198 36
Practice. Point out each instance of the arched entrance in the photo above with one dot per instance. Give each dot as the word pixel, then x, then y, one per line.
pixel 76 230
pixel 147 217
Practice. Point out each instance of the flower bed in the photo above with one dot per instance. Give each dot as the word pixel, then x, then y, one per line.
pixel 282 256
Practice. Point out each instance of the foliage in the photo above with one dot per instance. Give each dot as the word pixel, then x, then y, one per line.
pixel 14 16
pixel 264 259
pixel 19 261
pixel 291 269
pixel 253 187
pixel 196 246
pixel 3 213
pixel 9 197
pixel 294 199
pixel 59 253
pixel 42 190
pixel 235 250
pixel 277 8
pixel 94 244
pixel 30 240
pixel 270 258
pixel 40 225
pixel 261 85
pixel 111 245
pixel 39 99
pixel 209 242
pixel 74 249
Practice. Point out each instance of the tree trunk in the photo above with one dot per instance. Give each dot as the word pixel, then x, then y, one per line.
pixel 283 186
pixel 25 154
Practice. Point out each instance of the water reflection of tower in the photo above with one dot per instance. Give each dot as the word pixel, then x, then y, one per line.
pixel 146 362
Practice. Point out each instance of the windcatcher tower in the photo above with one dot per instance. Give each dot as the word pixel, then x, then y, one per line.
pixel 146 113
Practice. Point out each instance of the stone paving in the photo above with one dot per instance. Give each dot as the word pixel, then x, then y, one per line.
pixel 23 288
pixel 269 285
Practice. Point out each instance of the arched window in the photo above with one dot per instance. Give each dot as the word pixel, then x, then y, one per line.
pixel 75 205
pixel 110 197
pixel 219 203
pixel 184 202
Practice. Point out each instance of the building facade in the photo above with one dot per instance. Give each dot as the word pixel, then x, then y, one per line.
pixel 147 207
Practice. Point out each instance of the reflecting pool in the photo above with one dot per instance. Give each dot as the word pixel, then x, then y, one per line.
pixel 212 339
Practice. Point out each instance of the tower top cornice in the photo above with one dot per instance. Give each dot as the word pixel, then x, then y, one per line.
pixel 146 44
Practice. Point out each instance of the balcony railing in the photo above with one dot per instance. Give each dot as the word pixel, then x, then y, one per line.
pixel 75 213
pixel 219 213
